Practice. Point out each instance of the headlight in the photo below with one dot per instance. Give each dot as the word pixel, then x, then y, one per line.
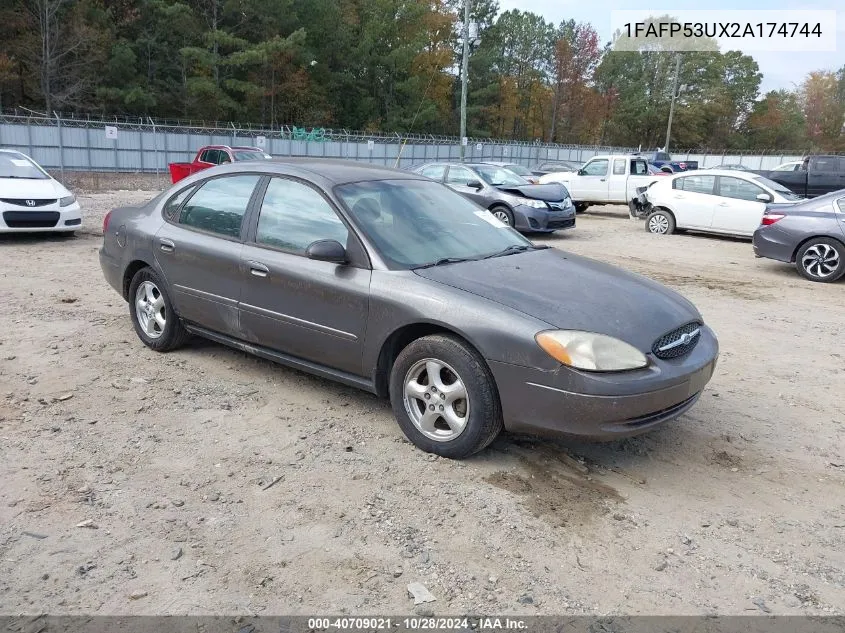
pixel 67 201
pixel 590 351
pixel 528 202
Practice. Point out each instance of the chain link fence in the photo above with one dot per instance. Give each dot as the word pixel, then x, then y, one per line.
pixel 144 145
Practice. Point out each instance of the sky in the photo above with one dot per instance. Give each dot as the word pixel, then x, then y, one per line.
pixel 780 69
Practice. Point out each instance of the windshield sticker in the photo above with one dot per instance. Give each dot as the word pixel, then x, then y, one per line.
pixel 20 163
pixel 491 219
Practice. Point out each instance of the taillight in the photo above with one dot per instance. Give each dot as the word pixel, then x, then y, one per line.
pixel 106 222
pixel 771 218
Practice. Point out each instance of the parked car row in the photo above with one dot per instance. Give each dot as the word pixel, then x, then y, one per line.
pixel 783 225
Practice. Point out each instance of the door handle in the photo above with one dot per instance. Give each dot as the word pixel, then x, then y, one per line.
pixel 723 204
pixel 604 179
pixel 258 269
pixel 166 245
pixel 679 196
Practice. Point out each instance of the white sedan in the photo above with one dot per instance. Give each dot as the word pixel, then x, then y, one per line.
pixel 32 200
pixel 714 201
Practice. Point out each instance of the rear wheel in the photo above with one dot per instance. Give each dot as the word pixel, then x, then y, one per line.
pixel 821 259
pixel 503 214
pixel 580 207
pixel 153 317
pixel 660 222
pixel 444 397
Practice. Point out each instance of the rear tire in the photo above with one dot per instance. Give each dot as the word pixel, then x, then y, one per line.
pixel 444 397
pixel 660 222
pixel 580 207
pixel 821 259
pixel 152 314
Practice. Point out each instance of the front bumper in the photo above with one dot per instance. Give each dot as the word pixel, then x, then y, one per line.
pixel 50 218
pixel 639 206
pixel 604 406
pixel 534 220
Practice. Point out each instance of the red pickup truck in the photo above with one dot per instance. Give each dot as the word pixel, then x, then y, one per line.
pixel 212 155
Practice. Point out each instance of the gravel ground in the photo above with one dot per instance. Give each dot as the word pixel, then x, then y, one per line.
pixel 138 483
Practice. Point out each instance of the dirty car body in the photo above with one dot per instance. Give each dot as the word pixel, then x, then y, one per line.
pixel 441 269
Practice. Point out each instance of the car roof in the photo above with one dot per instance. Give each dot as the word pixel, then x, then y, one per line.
pixel 716 172
pixel 331 171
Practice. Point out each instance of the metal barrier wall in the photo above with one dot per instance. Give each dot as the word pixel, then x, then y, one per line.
pixel 145 145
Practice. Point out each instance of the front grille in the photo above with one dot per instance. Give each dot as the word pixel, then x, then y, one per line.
pixel 678 342
pixel 30 220
pixel 30 203
pixel 561 224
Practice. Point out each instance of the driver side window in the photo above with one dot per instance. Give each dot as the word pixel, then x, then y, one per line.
pixel 596 167
pixel 459 176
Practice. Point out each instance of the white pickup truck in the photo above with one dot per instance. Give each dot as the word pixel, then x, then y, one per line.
pixel 605 180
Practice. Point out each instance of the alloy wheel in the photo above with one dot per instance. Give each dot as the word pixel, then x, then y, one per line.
pixel 658 224
pixel 436 399
pixel 821 260
pixel 150 309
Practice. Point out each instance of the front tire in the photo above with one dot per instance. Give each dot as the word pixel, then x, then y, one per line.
pixel 444 397
pixel 660 222
pixel 503 214
pixel 153 317
pixel 821 259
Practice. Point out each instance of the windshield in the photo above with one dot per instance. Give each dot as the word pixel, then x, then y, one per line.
pixel 417 222
pixel 16 165
pixel 776 186
pixel 242 155
pixel 496 176
pixel 519 169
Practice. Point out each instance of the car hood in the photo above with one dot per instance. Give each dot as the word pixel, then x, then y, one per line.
pixel 552 192
pixel 573 292
pixel 17 188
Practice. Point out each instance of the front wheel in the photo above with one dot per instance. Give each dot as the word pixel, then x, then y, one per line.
pixel 580 207
pixel 503 214
pixel 821 259
pixel 153 317
pixel 660 222
pixel 444 397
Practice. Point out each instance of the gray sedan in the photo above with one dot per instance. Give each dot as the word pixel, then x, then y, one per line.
pixel 389 282
pixel 508 196
pixel 809 234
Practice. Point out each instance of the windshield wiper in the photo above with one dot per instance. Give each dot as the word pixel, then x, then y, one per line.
pixel 515 248
pixel 445 260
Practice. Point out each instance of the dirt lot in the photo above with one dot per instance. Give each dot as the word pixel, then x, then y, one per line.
pixel 134 482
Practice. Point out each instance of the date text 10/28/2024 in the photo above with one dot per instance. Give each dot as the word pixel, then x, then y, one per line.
pixel 416 624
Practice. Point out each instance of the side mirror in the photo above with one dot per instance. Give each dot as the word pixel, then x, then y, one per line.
pixel 581 172
pixel 474 184
pixel 764 197
pixel 327 251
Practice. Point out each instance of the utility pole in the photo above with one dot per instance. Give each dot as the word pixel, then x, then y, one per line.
pixel 464 80
pixel 674 96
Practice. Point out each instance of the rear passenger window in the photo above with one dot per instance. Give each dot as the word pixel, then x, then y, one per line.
pixel 435 171
pixel 619 167
pixel 171 207
pixel 695 184
pixel 219 205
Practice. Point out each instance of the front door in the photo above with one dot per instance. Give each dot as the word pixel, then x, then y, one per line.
pixel 592 184
pixel 313 310
pixel 199 247
pixel 737 209
pixel 457 178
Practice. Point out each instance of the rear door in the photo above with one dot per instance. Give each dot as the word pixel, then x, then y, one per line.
pixel 692 200
pixel 824 175
pixel 198 249
pixel 592 184
pixel 618 181
pixel 313 310
pixel 737 209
